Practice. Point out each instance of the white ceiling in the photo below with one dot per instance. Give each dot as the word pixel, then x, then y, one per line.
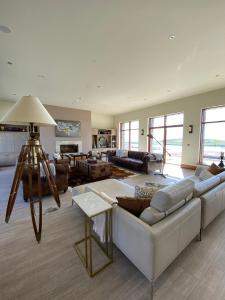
pixel 111 56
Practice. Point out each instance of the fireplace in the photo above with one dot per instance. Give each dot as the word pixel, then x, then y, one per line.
pixel 60 143
pixel 69 148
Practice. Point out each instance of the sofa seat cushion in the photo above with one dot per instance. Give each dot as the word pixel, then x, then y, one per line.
pixel 194 178
pixel 204 186
pixel 109 189
pixel 134 205
pixel 133 161
pixel 167 198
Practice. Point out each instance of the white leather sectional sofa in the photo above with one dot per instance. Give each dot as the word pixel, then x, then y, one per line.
pixel 184 219
pixel 212 194
pixel 162 242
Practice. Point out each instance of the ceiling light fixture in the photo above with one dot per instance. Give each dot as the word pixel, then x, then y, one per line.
pixel 5 29
pixel 172 37
pixel 41 76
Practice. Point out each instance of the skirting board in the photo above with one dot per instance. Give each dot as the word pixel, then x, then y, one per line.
pixel 191 167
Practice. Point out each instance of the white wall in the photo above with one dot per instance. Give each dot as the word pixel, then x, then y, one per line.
pixel 4 107
pixel 102 121
pixel 191 107
pixel 47 134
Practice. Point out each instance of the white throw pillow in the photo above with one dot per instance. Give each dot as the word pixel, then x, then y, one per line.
pixel 121 153
pixel 57 156
pixel 124 153
pixel 118 151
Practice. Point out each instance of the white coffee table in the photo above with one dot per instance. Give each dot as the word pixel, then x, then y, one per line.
pixel 93 205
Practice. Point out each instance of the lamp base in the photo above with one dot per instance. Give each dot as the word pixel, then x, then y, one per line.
pixel 161 174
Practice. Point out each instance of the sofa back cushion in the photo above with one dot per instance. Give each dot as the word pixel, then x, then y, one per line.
pixel 221 176
pixel 137 154
pixel 204 186
pixel 169 197
pixel 205 174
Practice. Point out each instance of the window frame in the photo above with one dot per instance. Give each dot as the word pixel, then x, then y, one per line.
pixel 129 130
pixel 164 127
pixel 202 129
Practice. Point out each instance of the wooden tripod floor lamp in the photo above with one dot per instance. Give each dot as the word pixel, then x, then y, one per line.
pixel 30 111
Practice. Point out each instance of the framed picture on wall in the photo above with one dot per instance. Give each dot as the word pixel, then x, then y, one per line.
pixel 66 128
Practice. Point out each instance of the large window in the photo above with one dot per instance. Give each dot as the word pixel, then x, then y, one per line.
pixel 168 131
pixel 212 134
pixel 129 135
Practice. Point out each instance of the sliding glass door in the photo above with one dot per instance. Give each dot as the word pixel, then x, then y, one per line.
pixel 167 137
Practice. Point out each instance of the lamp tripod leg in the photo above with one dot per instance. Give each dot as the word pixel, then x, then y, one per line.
pixel 37 231
pixel 16 182
pixel 51 181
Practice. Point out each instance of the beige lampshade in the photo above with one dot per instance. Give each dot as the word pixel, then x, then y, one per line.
pixel 28 110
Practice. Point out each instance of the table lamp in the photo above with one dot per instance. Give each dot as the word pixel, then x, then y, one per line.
pixel 30 111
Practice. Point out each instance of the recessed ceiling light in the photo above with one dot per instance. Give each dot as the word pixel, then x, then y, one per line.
pixel 5 29
pixel 78 100
pixel 172 37
pixel 41 76
pixel 217 75
pixel 9 62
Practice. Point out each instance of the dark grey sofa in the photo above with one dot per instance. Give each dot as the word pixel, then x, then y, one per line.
pixel 136 160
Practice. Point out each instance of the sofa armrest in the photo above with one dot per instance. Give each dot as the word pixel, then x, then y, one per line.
pixel 174 233
pixel 62 169
pixel 135 239
pixel 146 158
pixel 152 248
pixel 110 154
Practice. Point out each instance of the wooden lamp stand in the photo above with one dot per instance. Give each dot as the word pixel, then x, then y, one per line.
pixel 32 157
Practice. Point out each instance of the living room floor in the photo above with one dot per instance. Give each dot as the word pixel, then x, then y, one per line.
pixel 52 269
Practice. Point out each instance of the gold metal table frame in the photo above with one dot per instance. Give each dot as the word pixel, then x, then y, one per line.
pixel 87 259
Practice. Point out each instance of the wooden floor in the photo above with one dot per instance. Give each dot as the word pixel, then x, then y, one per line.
pixel 52 269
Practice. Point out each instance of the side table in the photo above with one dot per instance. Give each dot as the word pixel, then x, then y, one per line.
pixel 93 205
